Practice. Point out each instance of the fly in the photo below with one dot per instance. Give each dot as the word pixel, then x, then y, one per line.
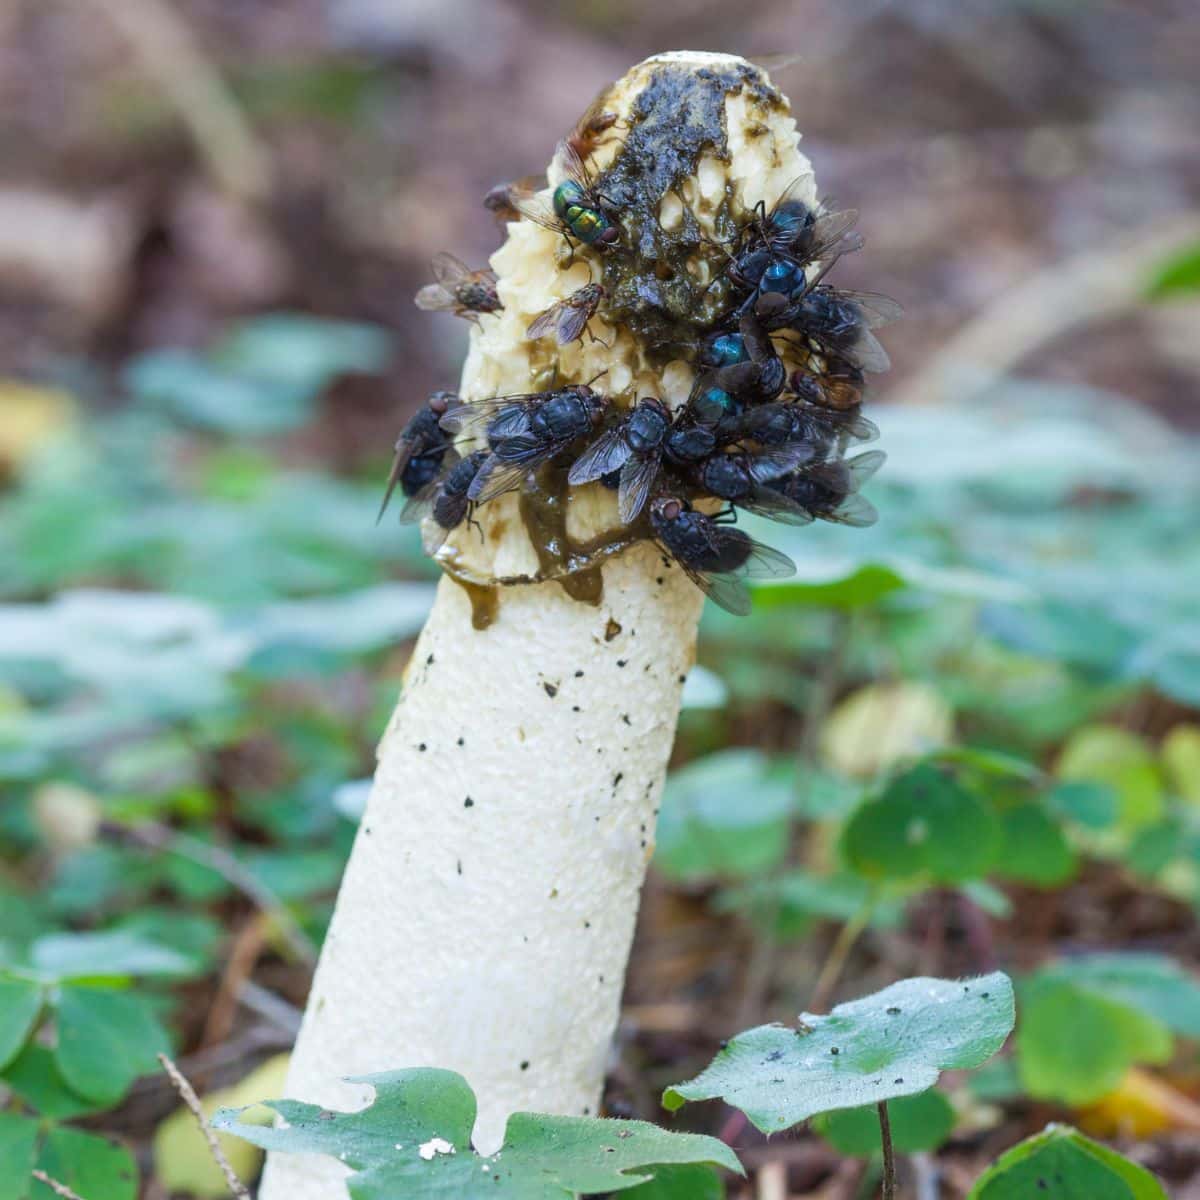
pixel 568 318
pixel 445 499
pixel 420 449
pixel 459 290
pixel 717 557
pixel 524 431
pixel 635 448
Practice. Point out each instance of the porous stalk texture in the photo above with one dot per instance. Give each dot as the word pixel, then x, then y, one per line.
pixel 485 919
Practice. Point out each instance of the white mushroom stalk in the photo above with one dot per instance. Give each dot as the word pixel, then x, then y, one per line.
pixel 486 915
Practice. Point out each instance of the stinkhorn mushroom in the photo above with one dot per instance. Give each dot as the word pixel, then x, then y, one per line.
pixel 487 911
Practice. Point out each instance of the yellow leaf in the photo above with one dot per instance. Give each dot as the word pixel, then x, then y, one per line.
pixel 883 724
pixel 12 703
pixel 182 1162
pixel 29 417
pixel 67 816
pixel 1124 761
pixel 1141 1107
pixel 1181 761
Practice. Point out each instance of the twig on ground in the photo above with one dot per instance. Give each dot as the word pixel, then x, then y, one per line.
pixel 772 1182
pixel 284 1016
pixel 161 837
pixel 188 1095
pixel 839 954
pixel 59 1189
pixel 168 52
pixel 731 1130
pixel 247 946
pixel 978 928
pixel 1094 286
pixel 927 1173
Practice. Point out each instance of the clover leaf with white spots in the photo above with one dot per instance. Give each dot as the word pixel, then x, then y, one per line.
pixel 893 1043
pixel 415 1140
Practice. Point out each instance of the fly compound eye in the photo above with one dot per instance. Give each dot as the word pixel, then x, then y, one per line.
pixel 770 303
pixel 671 510
pixel 439 403
pixel 610 235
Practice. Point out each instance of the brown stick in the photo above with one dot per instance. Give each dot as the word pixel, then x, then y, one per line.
pixel 244 954
pixel 839 954
pixel 889 1154
pixel 188 1095
pixel 162 837
pixel 1093 286
pixel 169 54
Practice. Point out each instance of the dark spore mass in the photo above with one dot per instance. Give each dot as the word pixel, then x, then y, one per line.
pixel 677 117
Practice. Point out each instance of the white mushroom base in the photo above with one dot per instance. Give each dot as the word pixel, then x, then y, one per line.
pixel 486 915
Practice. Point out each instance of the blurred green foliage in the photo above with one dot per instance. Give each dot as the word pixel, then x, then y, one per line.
pixel 1077 1165
pixel 1178 276
pixel 198 636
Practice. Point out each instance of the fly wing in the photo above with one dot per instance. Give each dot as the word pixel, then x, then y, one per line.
pixel 523 449
pixel 831 227
pixel 546 322
pixel 535 206
pixel 637 477
pixel 448 270
pixel 868 353
pixel 434 298
pixel 770 464
pixel 420 504
pixel 865 352
pixel 833 236
pixel 572 164
pixel 433 536
pixel 863 466
pixel 572 319
pixel 434 533
pixel 499 200
pixel 765 562
pixel 595 119
pixel 404 452
pixel 607 453
pixel 789 191
pixel 727 591
pixel 503 416
pixel 782 415
pixel 495 478
pixel 854 510
pixel 774 63
pixel 876 309
pixel 857 429
pixel 728 588
pixel 775 506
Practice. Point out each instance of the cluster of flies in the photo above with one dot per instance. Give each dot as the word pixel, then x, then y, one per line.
pixel 753 435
